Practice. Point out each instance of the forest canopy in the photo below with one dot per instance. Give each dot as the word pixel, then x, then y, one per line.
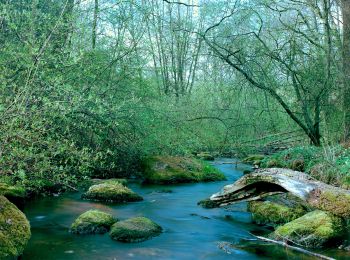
pixel 88 88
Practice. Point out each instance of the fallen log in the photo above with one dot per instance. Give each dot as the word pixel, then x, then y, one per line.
pixel 265 182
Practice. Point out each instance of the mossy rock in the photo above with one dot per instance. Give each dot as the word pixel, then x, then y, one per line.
pixel 135 230
pixel 205 156
pixel 93 222
pixel 253 158
pixel 274 214
pixel 208 204
pixel 315 229
pixel 15 194
pixel 111 192
pixel 14 230
pixel 176 169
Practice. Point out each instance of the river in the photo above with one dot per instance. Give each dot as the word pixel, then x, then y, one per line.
pixel 190 231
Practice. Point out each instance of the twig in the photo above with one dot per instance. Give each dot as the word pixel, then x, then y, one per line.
pixel 304 251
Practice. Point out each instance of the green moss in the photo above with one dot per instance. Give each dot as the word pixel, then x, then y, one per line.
pixel 266 212
pixel 172 169
pixel 338 204
pixel 135 230
pixel 314 229
pixel 109 192
pixel 14 230
pixel 92 222
pixel 208 204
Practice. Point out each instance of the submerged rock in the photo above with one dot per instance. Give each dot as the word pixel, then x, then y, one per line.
pixel 271 213
pixel 175 169
pixel 135 230
pixel 93 222
pixel 111 192
pixel 208 204
pixel 314 229
pixel 14 230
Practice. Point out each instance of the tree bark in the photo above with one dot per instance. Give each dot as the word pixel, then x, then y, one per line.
pixel 94 25
pixel 266 182
pixel 346 66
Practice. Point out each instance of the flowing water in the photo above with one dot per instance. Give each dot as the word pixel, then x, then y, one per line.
pixel 190 232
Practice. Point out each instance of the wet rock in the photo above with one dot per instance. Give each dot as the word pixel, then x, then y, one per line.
pixel 208 204
pixel 315 229
pixel 135 230
pixel 15 194
pixel 111 192
pixel 14 230
pixel 175 169
pixel 274 214
pixel 93 222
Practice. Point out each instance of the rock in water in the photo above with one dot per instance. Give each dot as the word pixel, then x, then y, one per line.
pixel 177 169
pixel 313 230
pixel 93 222
pixel 111 192
pixel 271 213
pixel 135 230
pixel 14 230
pixel 15 194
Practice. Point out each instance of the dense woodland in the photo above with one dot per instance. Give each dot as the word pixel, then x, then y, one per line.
pixel 90 87
pixel 111 102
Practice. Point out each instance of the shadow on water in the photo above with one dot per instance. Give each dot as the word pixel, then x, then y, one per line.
pixel 190 232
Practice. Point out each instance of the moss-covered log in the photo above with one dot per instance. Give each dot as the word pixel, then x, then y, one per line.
pixel 265 182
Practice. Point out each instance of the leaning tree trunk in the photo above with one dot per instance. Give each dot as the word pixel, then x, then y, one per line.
pixel 346 66
pixel 265 182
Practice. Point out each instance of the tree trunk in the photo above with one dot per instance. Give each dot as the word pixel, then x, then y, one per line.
pixel 266 182
pixel 346 66
pixel 94 25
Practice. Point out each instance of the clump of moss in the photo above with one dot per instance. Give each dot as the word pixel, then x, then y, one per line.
pixel 338 204
pixel 274 163
pixel 135 230
pixel 92 222
pixel 175 169
pixel 14 230
pixel 15 194
pixel 208 204
pixel 314 229
pixel 270 213
pixel 109 192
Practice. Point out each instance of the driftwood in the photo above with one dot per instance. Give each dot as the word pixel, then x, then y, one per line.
pixel 298 249
pixel 265 182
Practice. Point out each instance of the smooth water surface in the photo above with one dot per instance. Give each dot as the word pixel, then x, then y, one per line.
pixel 190 232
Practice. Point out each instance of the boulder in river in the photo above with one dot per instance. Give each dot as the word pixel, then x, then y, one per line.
pixel 93 222
pixel 314 230
pixel 135 230
pixel 14 230
pixel 176 169
pixel 15 194
pixel 272 213
pixel 111 192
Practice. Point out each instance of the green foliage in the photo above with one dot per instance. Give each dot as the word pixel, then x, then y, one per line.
pixel 330 164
